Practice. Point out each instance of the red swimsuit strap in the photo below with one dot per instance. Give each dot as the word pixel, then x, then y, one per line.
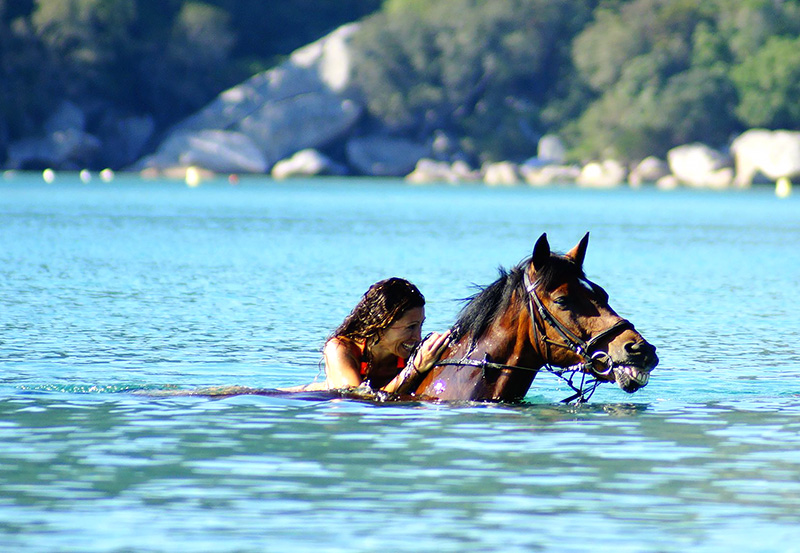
pixel 401 364
pixel 358 353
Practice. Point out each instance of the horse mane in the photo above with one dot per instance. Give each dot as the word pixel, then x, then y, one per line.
pixel 485 306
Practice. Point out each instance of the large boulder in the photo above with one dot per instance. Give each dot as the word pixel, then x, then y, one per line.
pixel 384 156
pixel 773 154
pixel 700 166
pixel 69 149
pixel 215 150
pixel 64 145
pixel 550 151
pixel 306 121
pixel 304 103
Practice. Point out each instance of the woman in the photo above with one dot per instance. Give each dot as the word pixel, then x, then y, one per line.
pixel 374 343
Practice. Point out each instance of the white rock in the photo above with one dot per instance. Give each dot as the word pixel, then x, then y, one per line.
pixel 430 170
pixel 698 165
pixel 650 169
pixel 774 154
pixel 549 174
pixel 502 173
pixel 606 174
pixel 551 149
pixel 303 103
pixel 330 57
pixel 668 182
pixel 306 163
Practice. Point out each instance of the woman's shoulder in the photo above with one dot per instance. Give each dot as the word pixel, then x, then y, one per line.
pixel 342 345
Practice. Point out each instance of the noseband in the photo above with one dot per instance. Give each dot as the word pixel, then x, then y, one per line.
pixel 584 389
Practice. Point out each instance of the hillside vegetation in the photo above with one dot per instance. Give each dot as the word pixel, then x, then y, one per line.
pixel 613 78
pixel 622 79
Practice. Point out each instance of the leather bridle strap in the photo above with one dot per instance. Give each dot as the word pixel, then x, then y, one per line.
pixel 571 341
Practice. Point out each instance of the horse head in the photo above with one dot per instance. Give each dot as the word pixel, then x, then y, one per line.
pixel 573 324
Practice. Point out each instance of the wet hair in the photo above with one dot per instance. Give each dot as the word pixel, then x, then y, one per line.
pixel 383 304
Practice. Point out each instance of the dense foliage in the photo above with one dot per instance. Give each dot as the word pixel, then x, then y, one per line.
pixel 164 58
pixel 615 78
pixel 622 78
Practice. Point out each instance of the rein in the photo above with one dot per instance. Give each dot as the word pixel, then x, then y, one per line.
pixel 586 387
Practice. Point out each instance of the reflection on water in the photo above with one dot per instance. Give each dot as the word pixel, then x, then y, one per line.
pixel 121 302
pixel 700 475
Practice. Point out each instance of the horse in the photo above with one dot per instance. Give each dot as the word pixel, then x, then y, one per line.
pixel 543 314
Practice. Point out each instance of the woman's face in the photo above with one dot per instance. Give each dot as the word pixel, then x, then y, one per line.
pixel 404 334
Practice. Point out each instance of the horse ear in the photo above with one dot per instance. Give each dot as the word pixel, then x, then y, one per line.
pixel 578 253
pixel 541 252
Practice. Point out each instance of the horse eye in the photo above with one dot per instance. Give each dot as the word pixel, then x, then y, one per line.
pixel 562 301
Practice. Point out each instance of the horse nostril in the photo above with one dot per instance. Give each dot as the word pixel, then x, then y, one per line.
pixel 639 348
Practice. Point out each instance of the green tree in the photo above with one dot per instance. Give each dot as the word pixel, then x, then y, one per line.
pixel 478 70
pixel 195 61
pixel 84 36
pixel 768 83
pixel 664 81
pixel 269 30
pixel 28 86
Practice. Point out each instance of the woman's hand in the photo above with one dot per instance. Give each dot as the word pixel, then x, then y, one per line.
pixel 430 350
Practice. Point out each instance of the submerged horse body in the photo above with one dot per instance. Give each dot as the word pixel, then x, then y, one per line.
pixel 542 314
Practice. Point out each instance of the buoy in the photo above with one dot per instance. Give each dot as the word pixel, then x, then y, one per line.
pixel 783 187
pixel 106 175
pixel 192 176
pixel 48 175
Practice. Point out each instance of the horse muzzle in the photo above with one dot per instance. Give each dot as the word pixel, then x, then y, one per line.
pixel 633 372
pixel 631 378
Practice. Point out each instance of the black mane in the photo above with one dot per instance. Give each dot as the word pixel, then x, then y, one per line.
pixel 483 307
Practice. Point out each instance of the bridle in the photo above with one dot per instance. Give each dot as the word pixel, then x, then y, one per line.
pixel 586 387
pixel 572 342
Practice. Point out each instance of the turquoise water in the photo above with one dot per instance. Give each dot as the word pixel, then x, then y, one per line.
pixel 113 292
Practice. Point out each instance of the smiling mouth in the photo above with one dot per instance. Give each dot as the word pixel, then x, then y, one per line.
pixel 408 346
pixel 631 378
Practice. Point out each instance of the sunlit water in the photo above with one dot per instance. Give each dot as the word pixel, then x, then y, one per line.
pixel 111 291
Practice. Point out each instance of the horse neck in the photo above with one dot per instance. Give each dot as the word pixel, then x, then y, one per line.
pixel 508 341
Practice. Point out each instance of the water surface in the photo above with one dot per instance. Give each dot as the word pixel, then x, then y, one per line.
pixel 111 290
